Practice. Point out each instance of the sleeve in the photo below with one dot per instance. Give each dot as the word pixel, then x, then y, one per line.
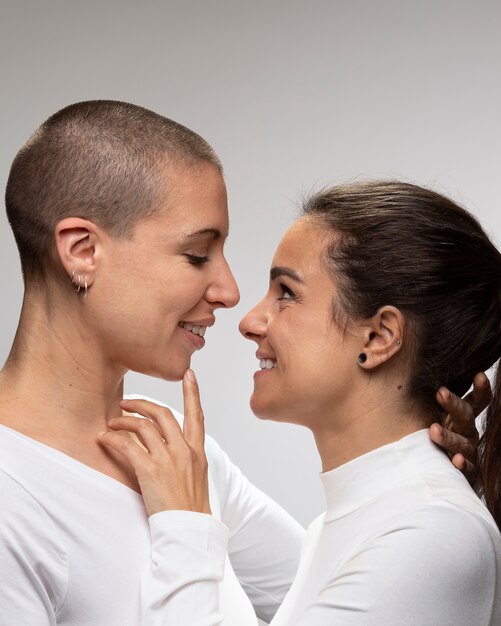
pixel 33 564
pixel 181 586
pixel 416 574
pixel 264 541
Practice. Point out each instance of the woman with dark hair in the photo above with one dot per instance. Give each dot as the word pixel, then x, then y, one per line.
pixel 120 217
pixel 379 294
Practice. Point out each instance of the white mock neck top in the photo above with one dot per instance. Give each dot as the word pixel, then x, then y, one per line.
pixel 404 540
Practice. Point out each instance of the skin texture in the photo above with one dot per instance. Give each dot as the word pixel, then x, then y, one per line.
pixel 166 455
pixel 300 334
pixel 351 407
pixel 319 383
pixel 63 380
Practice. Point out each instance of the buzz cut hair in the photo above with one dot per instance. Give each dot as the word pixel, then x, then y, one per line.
pixel 101 160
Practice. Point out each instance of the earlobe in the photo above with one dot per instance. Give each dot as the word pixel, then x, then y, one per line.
pixel 384 337
pixel 76 240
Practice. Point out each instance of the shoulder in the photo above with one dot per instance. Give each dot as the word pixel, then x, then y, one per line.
pixel 33 558
pixel 436 564
pixel 21 513
pixel 456 544
pixel 27 531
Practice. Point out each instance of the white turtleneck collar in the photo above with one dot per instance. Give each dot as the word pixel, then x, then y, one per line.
pixel 356 483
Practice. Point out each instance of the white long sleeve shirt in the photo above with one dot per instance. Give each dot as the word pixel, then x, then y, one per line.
pixel 404 540
pixel 75 544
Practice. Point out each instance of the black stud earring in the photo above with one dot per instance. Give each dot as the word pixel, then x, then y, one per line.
pixel 362 357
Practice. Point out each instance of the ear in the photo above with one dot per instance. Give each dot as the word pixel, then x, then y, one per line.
pixel 383 337
pixel 76 241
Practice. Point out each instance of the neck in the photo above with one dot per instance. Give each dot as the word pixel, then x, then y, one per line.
pixel 362 425
pixel 55 376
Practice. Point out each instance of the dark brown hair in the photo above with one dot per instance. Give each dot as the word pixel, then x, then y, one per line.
pixel 100 160
pixel 399 244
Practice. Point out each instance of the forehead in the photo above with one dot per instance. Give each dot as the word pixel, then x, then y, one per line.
pixel 193 198
pixel 302 247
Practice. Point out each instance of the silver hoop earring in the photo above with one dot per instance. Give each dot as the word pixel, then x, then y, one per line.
pixel 85 287
pixel 79 283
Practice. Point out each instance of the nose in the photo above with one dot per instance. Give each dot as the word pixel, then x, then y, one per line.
pixel 253 325
pixel 223 291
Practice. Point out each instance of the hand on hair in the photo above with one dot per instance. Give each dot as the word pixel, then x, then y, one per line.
pixel 458 434
pixel 170 462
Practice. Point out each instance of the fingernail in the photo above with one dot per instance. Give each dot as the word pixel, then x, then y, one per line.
pixel 190 375
pixel 443 394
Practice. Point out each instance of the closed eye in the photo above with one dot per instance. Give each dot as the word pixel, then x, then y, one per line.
pixel 197 260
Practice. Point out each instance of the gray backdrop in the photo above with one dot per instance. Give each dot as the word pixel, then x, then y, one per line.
pixel 292 95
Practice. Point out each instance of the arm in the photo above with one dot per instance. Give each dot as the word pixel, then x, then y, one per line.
pixel 33 566
pixel 181 585
pixel 187 563
pixel 265 541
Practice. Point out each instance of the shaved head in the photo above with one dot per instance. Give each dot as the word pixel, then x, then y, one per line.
pixel 101 160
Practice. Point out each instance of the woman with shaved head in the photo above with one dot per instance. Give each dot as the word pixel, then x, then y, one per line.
pixel 120 217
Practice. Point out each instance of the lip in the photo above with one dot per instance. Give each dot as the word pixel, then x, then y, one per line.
pixel 262 355
pixel 261 372
pixel 208 321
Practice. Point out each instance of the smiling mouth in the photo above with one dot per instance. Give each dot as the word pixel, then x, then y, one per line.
pixel 267 364
pixel 191 328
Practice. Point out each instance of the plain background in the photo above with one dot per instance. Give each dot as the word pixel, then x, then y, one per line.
pixel 292 95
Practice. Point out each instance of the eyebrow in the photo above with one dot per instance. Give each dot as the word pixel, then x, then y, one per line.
pixel 214 233
pixel 275 272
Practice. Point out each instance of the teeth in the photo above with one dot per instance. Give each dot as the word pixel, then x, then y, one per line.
pixel 267 364
pixel 197 330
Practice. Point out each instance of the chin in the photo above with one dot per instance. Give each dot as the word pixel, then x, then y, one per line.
pixel 276 412
pixel 265 410
pixel 172 372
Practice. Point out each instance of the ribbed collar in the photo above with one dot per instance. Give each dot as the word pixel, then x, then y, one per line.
pixel 354 484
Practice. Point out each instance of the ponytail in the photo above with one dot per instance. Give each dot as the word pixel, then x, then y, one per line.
pixel 490 453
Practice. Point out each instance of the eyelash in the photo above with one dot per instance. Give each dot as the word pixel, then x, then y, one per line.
pixel 197 260
pixel 288 291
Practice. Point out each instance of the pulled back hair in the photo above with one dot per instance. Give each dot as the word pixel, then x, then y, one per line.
pixel 399 244
pixel 100 160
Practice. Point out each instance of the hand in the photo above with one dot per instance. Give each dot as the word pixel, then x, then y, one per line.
pixel 170 463
pixel 458 435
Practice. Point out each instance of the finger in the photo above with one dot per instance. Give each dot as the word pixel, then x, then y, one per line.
pixel 194 427
pixel 123 443
pixel 162 416
pixel 467 468
pixel 452 443
pixel 480 396
pixel 460 416
pixel 144 429
pixel 459 462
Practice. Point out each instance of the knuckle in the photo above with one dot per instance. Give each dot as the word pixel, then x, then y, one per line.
pixel 144 424
pixel 126 443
